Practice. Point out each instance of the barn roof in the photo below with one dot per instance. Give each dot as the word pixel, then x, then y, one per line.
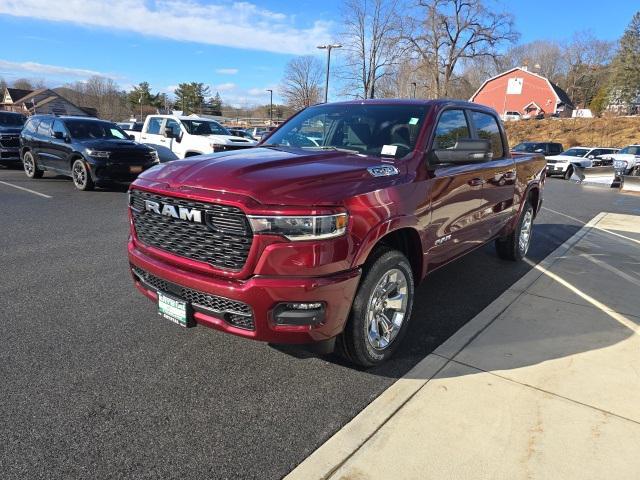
pixel 561 95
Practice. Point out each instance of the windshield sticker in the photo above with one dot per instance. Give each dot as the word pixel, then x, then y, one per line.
pixel 413 121
pixel 389 150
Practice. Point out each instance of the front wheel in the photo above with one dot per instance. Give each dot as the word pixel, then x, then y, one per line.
pixel 31 169
pixel 568 173
pixel 516 245
pixel 381 309
pixel 81 176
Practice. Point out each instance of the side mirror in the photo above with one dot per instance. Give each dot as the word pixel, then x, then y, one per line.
pixel 131 137
pixel 168 132
pixel 464 151
pixel 58 135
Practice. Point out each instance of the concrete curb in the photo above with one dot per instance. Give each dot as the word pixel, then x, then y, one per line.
pixel 337 450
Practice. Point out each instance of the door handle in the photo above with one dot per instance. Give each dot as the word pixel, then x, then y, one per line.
pixel 476 182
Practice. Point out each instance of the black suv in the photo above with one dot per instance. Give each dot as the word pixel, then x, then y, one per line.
pixel 90 151
pixel 10 125
pixel 545 148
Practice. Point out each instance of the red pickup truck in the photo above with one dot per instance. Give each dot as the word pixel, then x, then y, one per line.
pixel 322 232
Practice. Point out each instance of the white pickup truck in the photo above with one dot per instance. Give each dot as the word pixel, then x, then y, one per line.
pixel 177 137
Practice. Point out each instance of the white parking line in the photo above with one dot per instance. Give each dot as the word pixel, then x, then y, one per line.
pixel 25 189
pixel 564 215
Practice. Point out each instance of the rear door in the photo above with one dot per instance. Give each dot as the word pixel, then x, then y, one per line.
pixel 456 194
pixel 498 175
pixel 41 144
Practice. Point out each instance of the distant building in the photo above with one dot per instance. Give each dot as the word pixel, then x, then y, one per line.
pixel 519 90
pixel 42 100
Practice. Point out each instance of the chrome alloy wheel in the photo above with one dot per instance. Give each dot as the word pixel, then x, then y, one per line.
pixel 29 167
pixel 525 232
pixel 79 174
pixel 387 308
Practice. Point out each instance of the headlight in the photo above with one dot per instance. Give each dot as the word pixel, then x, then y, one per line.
pixel 312 227
pixel 620 164
pixel 217 147
pixel 97 153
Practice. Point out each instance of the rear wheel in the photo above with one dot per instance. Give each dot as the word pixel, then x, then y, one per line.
pixel 381 309
pixel 635 172
pixel 516 245
pixel 81 176
pixel 30 167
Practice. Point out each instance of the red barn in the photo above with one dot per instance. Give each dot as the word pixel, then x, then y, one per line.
pixel 519 90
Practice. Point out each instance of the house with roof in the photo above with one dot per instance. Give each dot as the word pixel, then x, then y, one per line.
pixel 42 101
pixel 523 91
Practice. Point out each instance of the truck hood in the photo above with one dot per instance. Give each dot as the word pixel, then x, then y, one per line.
pixel 277 176
pixel 565 158
pixel 6 130
pixel 231 140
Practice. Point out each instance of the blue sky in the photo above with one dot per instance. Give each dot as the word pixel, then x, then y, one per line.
pixel 239 48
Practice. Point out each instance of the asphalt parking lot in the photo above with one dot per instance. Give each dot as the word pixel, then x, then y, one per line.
pixel 96 385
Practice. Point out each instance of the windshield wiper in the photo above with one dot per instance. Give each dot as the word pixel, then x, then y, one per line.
pixel 336 149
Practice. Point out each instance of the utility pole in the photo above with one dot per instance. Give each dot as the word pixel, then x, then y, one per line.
pixel 140 101
pixel 415 85
pixel 270 106
pixel 328 48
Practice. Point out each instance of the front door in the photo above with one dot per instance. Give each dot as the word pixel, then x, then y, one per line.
pixel 455 195
pixel 154 137
pixel 59 149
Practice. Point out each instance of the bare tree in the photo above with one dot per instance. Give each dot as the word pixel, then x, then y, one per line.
pixel 587 59
pixel 543 57
pixel 100 93
pixel 371 37
pixel 448 31
pixel 300 86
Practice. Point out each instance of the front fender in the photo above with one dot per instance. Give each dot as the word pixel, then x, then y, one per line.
pixel 378 232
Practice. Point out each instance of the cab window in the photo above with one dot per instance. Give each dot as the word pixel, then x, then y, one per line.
pixel 487 129
pixel 45 126
pixel 58 127
pixel 452 126
pixel 154 126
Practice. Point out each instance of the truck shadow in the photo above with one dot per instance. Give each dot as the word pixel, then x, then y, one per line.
pixel 455 294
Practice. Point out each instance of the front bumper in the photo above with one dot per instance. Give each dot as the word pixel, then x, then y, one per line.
pixel 262 294
pixel 9 154
pixel 103 173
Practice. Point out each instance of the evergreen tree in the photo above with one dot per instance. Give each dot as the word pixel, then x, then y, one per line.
pixel 625 79
pixel 190 97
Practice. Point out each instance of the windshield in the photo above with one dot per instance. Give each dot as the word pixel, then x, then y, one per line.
pixel 528 147
pixel 633 150
pixel 376 130
pixel 204 127
pixel 90 129
pixel 12 119
pixel 575 152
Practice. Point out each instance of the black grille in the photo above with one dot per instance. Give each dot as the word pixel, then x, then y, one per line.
pixel 10 141
pixel 223 240
pixel 236 313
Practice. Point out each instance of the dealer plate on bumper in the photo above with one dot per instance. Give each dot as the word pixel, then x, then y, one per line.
pixel 135 169
pixel 175 310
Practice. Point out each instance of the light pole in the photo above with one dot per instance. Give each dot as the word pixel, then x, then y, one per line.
pixel 270 106
pixel 328 48
pixel 415 85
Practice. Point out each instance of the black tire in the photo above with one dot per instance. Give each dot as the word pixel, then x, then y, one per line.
pixel 635 172
pixel 81 176
pixel 30 166
pixel 568 173
pixel 356 343
pixel 510 247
